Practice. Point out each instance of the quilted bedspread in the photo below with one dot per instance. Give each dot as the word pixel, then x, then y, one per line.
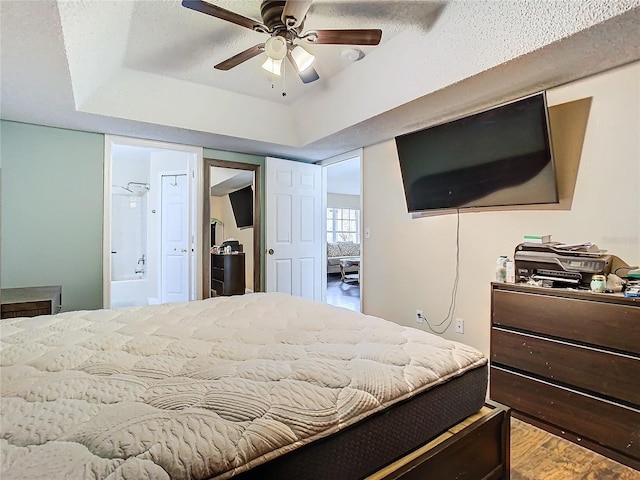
pixel 205 389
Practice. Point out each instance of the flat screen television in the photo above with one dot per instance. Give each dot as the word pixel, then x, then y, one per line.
pixel 242 206
pixel 496 158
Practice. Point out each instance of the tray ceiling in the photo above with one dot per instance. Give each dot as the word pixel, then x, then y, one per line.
pixel 145 68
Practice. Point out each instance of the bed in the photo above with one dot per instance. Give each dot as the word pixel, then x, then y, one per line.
pixel 251 386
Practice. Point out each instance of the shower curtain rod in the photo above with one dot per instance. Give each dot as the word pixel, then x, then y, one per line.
pixel 140 184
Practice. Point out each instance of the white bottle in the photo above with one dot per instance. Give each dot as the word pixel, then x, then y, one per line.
pixel 511 271
pixel 501 269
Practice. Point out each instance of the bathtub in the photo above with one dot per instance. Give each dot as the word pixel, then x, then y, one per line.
pixel 129 291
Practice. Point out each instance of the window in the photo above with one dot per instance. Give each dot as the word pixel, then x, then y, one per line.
pixel 343 225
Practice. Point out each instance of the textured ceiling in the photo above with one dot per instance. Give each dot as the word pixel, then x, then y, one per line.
pixel 203 41
pixel 145 68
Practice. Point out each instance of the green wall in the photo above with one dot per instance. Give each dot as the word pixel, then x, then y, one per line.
pixel 52 211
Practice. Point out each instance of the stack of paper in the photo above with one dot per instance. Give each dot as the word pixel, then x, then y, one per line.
pixel 537 238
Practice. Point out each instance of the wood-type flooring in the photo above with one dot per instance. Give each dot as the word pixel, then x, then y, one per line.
pixel 539 455
pixel 340 294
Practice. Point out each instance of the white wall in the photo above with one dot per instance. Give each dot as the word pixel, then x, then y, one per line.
pixel 410 263
pixel 128 214
pixel 215 210
pixel 340 200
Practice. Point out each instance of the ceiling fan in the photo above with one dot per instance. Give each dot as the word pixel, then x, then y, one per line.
pixel 283 21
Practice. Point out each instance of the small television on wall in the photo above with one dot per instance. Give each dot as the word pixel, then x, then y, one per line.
pixel 499 157
pixel 242 206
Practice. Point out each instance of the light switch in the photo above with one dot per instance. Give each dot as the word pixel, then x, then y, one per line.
pixel 367 232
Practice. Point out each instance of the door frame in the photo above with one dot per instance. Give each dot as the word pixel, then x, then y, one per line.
pixel 358 153
pixel 195 186
pixel 206 221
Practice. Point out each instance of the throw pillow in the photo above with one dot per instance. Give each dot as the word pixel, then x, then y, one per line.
pixel 349 249
pixel 333 250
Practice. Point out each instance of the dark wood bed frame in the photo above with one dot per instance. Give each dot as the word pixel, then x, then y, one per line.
pixel 477 448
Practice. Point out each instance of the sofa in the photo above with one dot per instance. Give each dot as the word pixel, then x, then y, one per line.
pixel 342 250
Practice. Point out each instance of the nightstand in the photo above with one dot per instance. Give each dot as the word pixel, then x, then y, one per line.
pixel 31 301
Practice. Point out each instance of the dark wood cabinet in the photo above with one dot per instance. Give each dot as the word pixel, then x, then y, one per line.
pixel 31 301
pixel 228 274
pixel 569 361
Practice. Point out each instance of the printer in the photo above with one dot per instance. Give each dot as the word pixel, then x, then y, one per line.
pixel 557 264
pixel 234 245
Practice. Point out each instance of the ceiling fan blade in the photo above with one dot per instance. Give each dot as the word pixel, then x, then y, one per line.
pixel 219 12
pixel 345 37
pixel 236 60
pixel 295 10
pixel 308 76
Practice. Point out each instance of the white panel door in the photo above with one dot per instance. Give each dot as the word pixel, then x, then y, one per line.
pixel 175 238
pixel 293 213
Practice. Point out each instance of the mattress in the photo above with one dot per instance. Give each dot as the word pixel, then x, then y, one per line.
pixel 378 440
pixel 206 389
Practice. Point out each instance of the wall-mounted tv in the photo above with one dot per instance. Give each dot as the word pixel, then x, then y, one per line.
pixel 498 157
pixel 242 206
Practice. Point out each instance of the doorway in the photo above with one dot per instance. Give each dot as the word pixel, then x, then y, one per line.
pixel 150 228
pixel 344 231
pixel 222 179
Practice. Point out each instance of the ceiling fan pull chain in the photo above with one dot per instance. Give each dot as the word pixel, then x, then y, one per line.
pixel 284 80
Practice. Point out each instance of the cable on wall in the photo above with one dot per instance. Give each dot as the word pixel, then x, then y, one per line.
pixel 454 291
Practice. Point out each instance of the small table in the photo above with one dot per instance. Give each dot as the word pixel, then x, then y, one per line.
pixel 31 301
pixel 350 277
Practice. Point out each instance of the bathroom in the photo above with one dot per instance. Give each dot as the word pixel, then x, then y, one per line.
pixel 147 266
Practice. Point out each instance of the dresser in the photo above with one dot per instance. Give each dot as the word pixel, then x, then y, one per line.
pixel 31 301
pixel 569 361
pixel 228 274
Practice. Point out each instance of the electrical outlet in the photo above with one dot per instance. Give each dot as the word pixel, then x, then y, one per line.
pixel 419 316
pixel 459 325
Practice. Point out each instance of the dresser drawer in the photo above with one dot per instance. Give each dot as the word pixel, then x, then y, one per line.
pixel 600 323
pixel 31 301
pixel 606 423
pixel 585 368
pixel 31 309
pixel 218 286
pixel 217 274
pixel 217 261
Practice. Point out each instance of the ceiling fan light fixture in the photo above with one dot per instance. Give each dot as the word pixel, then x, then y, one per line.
pixel 276 47
pixel 301 58
pixel 351 54
pixel 273 66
